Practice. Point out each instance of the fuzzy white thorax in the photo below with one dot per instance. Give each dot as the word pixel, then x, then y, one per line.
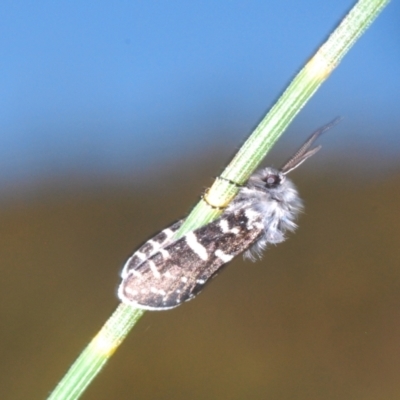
pixel 271 195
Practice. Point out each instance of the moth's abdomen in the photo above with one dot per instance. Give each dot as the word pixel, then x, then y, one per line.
pixel 179 271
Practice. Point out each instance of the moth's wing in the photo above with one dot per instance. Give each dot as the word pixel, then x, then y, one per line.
pixel 150 247
pixel 179 271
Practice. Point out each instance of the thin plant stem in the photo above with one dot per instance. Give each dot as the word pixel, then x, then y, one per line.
pixel 293 99
pixel 300 90
pixel 96 354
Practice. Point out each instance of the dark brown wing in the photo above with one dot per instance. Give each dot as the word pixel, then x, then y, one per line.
pixel 180 270
pixel 149 248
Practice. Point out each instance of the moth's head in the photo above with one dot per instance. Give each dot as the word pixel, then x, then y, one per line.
pixel 274 180
pixel 272 185
pixel 268 180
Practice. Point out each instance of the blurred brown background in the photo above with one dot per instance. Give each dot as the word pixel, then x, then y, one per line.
pixel 317 318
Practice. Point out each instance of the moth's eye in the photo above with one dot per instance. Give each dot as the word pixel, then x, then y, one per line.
pixel 272 181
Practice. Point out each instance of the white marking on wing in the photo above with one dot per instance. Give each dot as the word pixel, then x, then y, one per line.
pixel 198 248
pixel 168 232
pixel 140 255
pixel 136 273
pixel 155 245
pixel 251 215
pixel 235 231
pixel 168 275
pixel 154 269
pixel 223 256
pixel 164 253
pixel 224 225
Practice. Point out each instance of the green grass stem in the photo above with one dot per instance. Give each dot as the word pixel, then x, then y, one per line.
pixel 96 354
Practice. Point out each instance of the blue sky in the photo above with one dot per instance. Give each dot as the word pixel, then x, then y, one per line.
pixel 120 87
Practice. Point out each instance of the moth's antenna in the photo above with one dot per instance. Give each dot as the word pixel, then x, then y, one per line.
pixel 303 153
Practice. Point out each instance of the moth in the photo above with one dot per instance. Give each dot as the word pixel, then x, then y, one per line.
pixel 165 272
